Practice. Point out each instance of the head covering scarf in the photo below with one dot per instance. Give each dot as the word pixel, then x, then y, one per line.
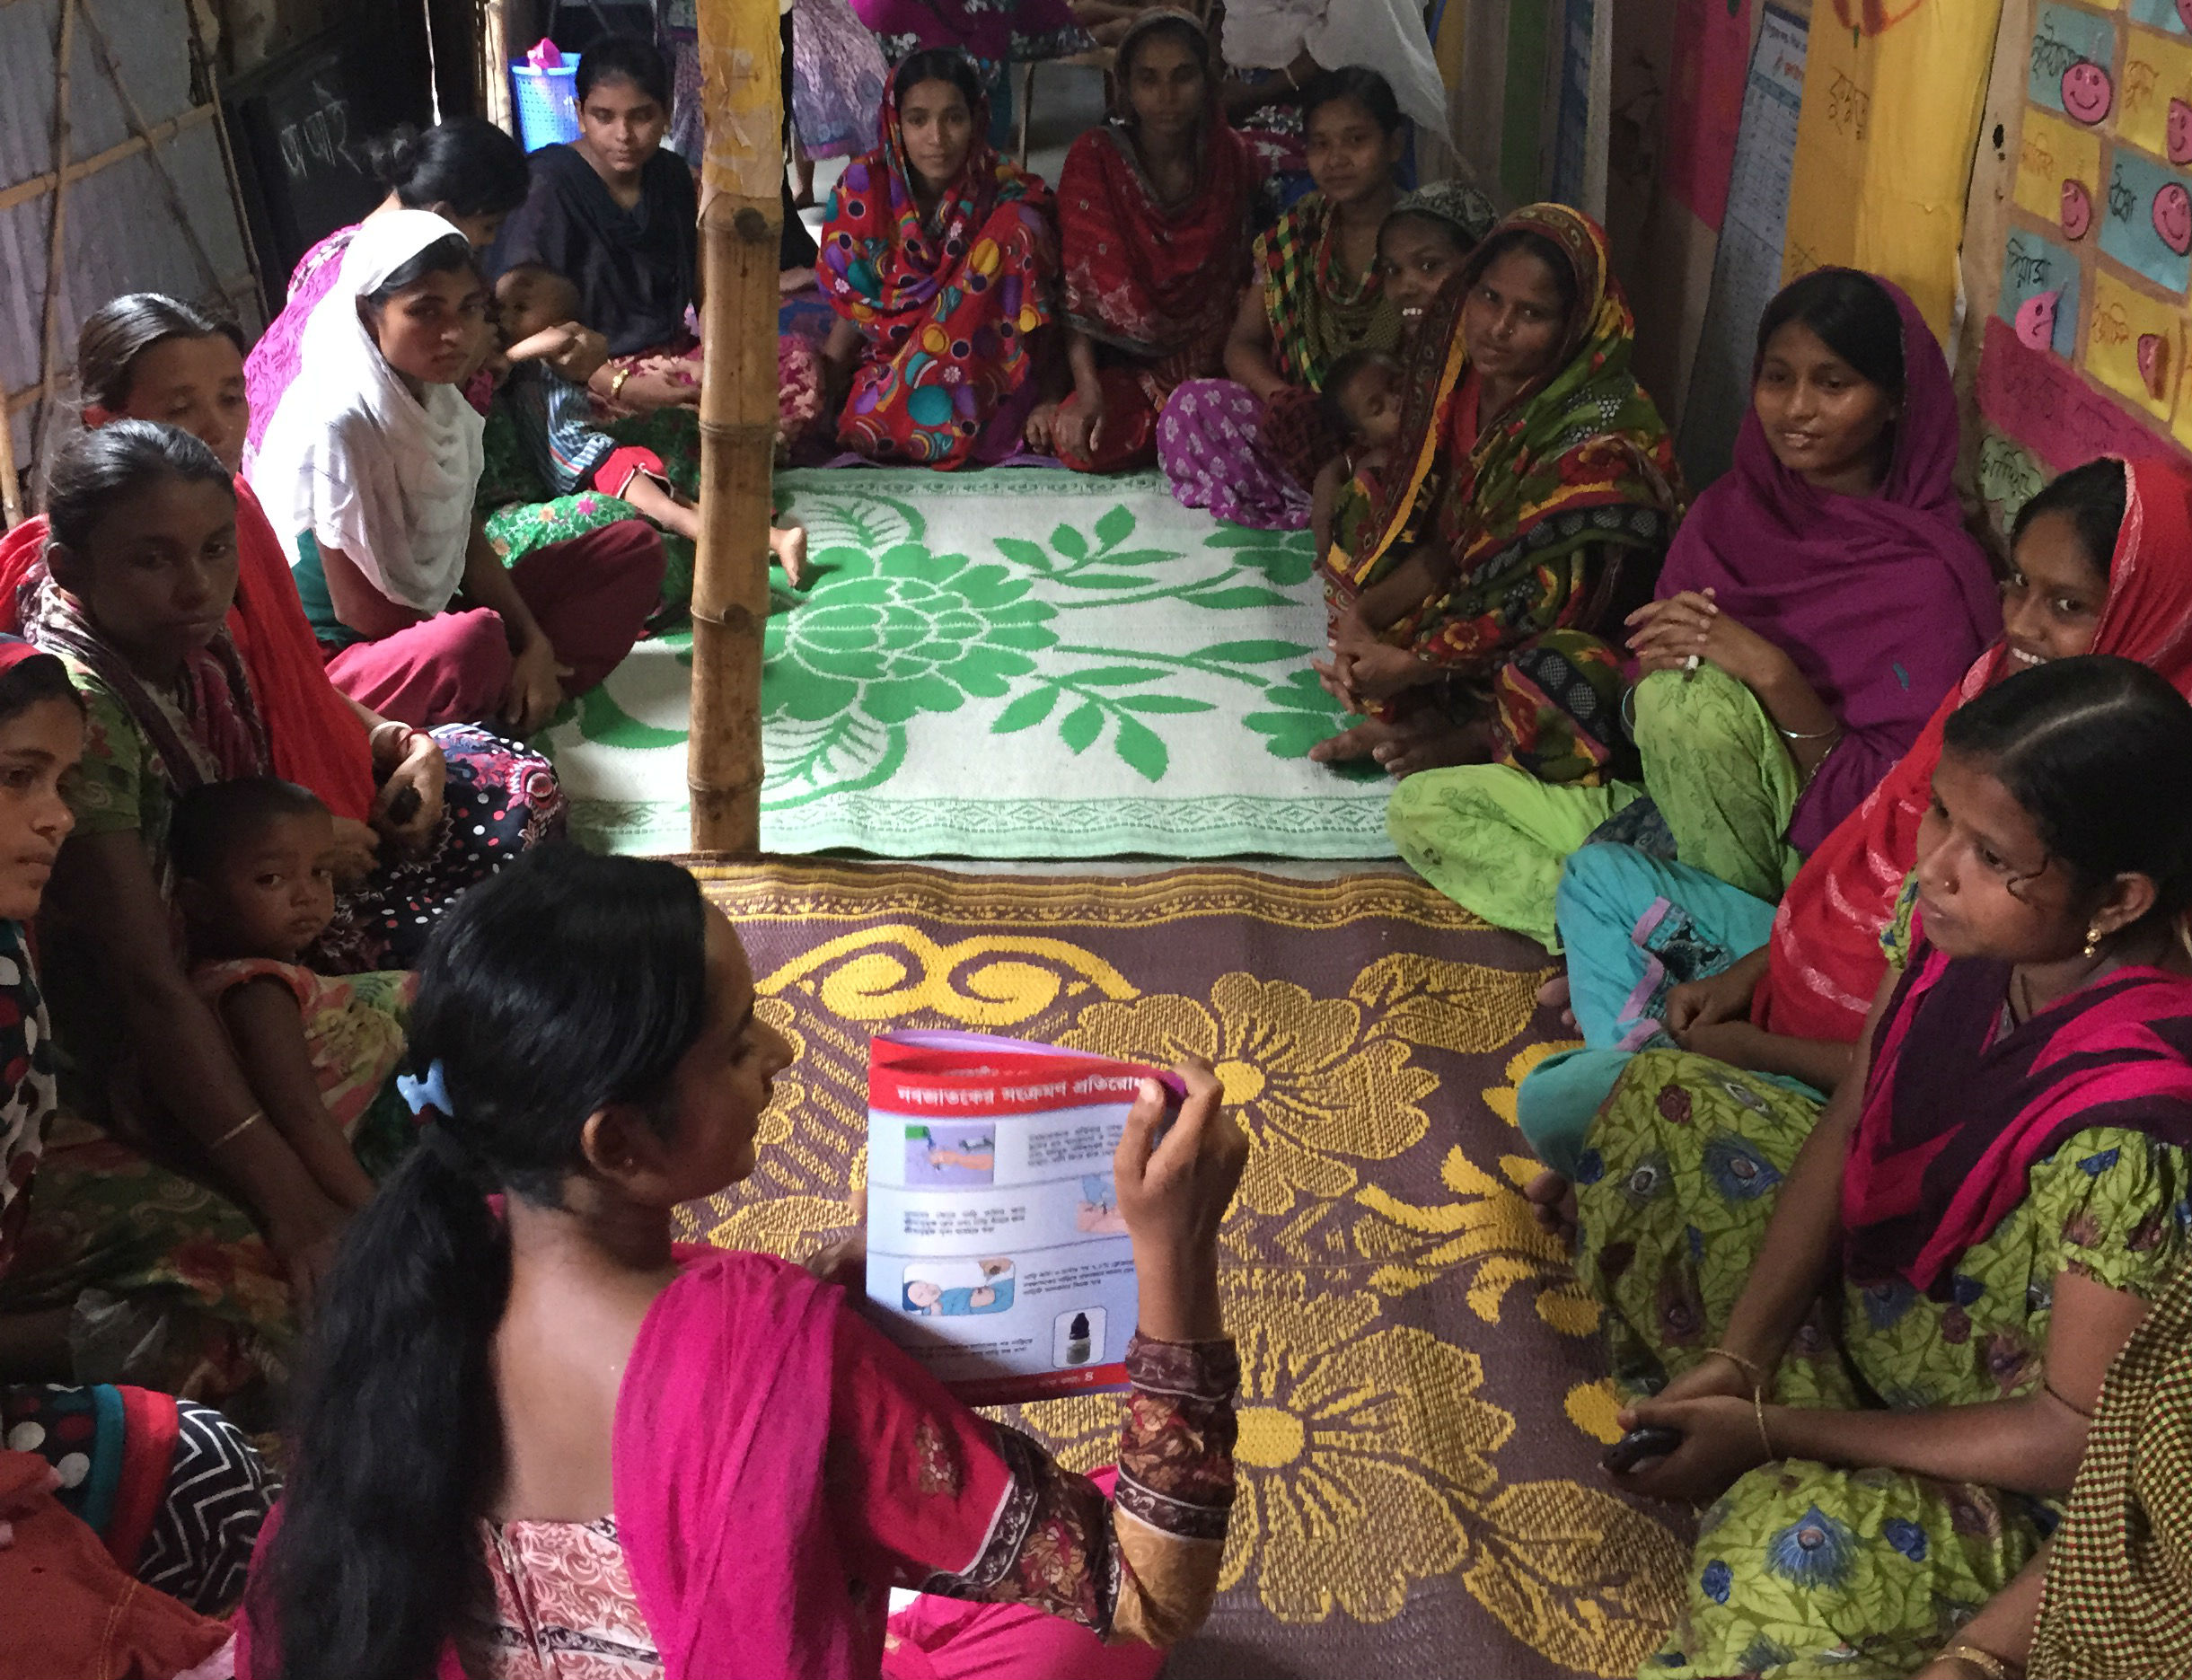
pixel 946 305
pixel 1158 281
pixel 314 736
pixel 1957 1111
pixel 1580 459
pixel 1455 203
pixel 1881 601
pixel 27 1091
pixel 1825 961
pixel 1316 312
pixel 2120 1573
pixel 356 461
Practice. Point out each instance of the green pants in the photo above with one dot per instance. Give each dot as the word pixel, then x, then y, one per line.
pixel 1494 839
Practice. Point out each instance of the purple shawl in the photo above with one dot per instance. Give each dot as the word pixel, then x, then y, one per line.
pixel 1881 601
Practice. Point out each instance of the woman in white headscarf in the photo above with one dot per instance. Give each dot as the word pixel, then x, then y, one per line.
pixel 1298 37
pixel 369 473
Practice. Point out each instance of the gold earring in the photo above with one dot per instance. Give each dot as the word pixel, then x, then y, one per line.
pixel 2093 936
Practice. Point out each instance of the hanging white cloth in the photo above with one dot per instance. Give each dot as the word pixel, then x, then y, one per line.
pixel 1386 36
pixel 353 458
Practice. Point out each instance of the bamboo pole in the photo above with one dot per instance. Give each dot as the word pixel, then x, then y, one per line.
pixel 50 335
pixel 495 64
pixel 11 480
pixel 740 226
pixel 133 115
pixel 201 56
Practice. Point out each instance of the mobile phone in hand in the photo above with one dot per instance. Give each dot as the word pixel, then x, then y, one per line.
pixel 1632 1449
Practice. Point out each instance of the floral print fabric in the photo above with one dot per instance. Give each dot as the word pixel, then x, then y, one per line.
pixel 1800 1569
pixel 945 304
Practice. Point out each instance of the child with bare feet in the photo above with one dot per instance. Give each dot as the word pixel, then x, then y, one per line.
pixel 254 860
pixel 554 418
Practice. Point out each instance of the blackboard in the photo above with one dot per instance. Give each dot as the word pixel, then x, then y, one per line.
pixel 300 127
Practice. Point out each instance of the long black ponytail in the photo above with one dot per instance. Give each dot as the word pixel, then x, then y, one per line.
pixel 565 984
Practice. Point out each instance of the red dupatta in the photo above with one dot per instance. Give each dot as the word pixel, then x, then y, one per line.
pixel 1159 282
pixel 314 737
pixel 1824 958
pixel 1957 1112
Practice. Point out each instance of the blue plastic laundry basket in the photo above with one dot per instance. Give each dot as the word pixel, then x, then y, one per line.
pixel 546 105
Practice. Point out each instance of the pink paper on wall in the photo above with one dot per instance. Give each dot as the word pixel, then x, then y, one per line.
pixel 1704 102
pixel 2039 400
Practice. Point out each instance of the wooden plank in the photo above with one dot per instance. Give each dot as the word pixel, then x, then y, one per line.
pixel 158 134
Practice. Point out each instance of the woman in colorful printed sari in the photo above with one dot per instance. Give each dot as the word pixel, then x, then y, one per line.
pixel 2102 562
pixel 995 34
pixel 1156 210
pixel 141 563
pixel 1815 605
pixel 473 798
pixel 467 172
pixel 1989 1201
pixel 662 1454
pixel 169 1486
pixel 372 475
pixel 1528 504
pixel 940 262
pixel 1248 447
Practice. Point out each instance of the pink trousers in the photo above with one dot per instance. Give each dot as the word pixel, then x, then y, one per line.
pixel 591 597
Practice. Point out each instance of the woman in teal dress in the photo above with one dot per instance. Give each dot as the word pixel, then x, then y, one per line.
pixel 1849 1317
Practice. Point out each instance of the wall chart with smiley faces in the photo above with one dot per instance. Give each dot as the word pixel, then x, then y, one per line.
pixel 2088 351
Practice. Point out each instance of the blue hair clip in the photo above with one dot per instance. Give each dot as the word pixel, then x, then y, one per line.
pixel 431 1092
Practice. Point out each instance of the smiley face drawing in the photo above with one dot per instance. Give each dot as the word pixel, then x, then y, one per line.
pixel 2173 217
pixel 2184 12
pixel 2178 142
pixel 2087 93
pixel 2078 205
pixel 2035 321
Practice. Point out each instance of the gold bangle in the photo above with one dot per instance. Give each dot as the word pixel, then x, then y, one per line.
pixel 238 1129
pixel 1993 1666
pixel 616 382
pixel 1758 1401
pixel 1749 1367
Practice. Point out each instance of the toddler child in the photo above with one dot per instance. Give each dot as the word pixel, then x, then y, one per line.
pixel 254 864
pixel 555 419
pixel 1363 398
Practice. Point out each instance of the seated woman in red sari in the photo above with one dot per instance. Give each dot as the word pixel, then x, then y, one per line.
pixel 691 1462
pixel 1157 211
pixel 939 260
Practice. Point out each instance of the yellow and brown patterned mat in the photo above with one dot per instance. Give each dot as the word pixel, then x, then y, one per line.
pixel 1422 1406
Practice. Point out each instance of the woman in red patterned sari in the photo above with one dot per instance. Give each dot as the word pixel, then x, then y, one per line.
pixel 1157 211
pixel 939 258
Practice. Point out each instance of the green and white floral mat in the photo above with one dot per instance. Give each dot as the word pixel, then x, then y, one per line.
pixel 1018 663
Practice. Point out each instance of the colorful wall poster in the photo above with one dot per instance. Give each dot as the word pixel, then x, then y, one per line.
pixel 2039 293
pixel 1883 155
pixel 2089 352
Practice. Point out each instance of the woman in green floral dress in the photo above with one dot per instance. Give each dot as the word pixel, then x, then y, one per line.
pixel 2018 1136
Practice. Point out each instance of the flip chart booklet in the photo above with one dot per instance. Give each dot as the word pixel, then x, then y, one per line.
pixel 996 1249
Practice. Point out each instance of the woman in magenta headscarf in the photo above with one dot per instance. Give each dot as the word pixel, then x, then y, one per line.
pixel 1815 605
